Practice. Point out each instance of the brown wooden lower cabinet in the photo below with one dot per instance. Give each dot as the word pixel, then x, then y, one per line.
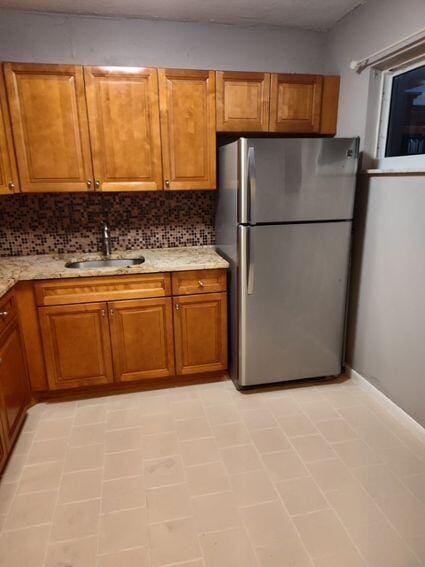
pixel 77 345
pixel 14 391
pixel 142 338
pixel 200 330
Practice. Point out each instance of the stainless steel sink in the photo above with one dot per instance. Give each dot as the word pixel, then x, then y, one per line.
pixel 106 263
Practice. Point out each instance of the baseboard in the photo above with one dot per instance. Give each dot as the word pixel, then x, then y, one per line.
pixel 399 414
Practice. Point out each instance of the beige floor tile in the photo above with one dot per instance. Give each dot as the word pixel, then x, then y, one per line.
pixel 252 487
pixel 267 524
pixel 343 559
pixel 379 481
pixel 44 451
pixel 187 409
pixel 53 429
pixel 416 485
pixel 82 485
pixel 119 440
pixel 284 465
pixel 229 548
pixel 212 396
pixel 417 545
pixel 157 423
pixel 127 463
pixel 194 428
pixel 87 434
pixel 291 552
pixel 130 558
pixel 377 435
pixel 90 414
pixel 401 460
pixel 221 414
pixel 356 453
pixel 22 548
pixel 75 520
pixel 334 430
pixel 240 458
pixel 283 406
pixel 383 547
pixel 43 476
pixel 331 474
pixel 198 451
pixel 296 425
pixel 57 410
pixel 301 495
pixel 355 507
pixel 319 410
pixel 14 468
pixel 31 509
pixel 123 418
pixel 24 442
pixel 405 512
pixel 173 541
pixel 313 448
pixel 83 458
pixel 123 530
pixel 7 493
pixel 270 440
pixel 164 471
pixel 258 419
pixel 168 503
pixel 122 401
pixel 151 405
pixel 160 445
pixel 231 434
pixel 123 493
pixel 322 533
pixel 215 512
pixel 207 478
pixel 77 553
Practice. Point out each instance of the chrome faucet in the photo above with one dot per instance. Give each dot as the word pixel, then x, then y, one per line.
pixel 106 240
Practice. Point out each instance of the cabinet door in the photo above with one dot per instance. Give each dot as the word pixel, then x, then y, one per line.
pixel 187 105
pixel 14 385
pixel 8 174
pixel 330 96
pixel 77 346
pixel 200 330
pixel 50 127
pixel 295 103
pixel 125 137
pixel 142 338
pixel 243 101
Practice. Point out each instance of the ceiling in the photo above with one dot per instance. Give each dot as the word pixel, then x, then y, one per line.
pixel 307 14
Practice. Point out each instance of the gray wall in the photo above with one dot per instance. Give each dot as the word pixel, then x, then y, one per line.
pixel 387 307
pixel 120 41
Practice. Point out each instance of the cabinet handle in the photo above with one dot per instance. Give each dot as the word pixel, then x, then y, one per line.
pixel 111 311
pixel 89 183
pixel 201 283
pixel 97 184
pixel 178 306
pixel 103 313
pixel 11 186
pixel 167 183
pixel 4 314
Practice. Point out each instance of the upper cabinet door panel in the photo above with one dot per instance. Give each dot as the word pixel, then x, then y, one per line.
pixel 125 136
pixel 295 103
pixel 243 101
pixel 187 104
pixel 50 126
pixel 8 174
pixel 330 96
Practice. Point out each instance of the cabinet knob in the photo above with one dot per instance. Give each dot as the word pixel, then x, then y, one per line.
pixel 4 314
pixel 201 283
pixel 103 313
pixel 111 311
pixel 11 186
pixel 167 183
pixel 89 183
pixel 178 306
pixel 97 184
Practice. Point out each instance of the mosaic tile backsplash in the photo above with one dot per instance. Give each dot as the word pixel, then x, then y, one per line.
pixel 42 224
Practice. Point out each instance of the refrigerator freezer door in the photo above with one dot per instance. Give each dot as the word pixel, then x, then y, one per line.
pixel 299 179
pixel 291 300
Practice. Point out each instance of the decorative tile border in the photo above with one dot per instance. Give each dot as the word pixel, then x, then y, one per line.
pixel 42 224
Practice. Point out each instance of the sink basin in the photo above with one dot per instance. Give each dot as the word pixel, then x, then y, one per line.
pixel 106 263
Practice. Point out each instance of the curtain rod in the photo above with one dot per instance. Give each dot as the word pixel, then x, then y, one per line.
pixel 411 41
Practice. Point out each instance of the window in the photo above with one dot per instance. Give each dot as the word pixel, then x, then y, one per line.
pixel 406 120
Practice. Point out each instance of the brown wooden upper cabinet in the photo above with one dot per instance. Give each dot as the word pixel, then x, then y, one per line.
pixel 49 120
pixel 8 174
pixel 125 137
pixel 295 103
pixel 243 101
pixel 187 108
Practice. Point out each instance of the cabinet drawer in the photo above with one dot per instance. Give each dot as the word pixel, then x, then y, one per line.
pixel 199 281
pixel 7 310
pixel 86 290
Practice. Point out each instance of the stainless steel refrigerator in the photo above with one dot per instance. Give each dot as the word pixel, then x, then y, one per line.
pixel 283 221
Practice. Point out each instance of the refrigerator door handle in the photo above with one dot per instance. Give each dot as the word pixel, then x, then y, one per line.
pixel 250 264
pixel 252 180
pixel 247 179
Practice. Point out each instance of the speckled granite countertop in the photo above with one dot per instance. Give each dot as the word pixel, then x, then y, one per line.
pixel 52 266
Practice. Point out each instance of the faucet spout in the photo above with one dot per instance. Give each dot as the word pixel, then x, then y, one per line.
pixel 106 240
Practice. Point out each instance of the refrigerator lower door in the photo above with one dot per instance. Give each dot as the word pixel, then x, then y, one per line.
pixel 292 285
